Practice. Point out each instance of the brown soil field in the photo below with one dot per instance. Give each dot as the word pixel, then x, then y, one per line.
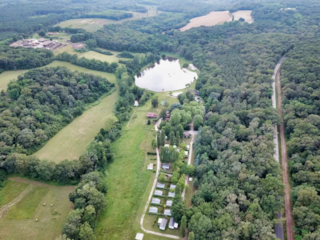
pixel 215 18
pixel 209 20
pixel 246 15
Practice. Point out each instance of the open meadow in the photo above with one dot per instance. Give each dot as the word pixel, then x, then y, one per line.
pixel 7 76
pixel 94 24
pixel 18 221
pixel 72 140
pixel 246 15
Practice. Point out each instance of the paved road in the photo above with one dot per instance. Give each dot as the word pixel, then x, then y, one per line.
pixel 279 227
pixel 186 181
pixel 151 194
pixel 284 161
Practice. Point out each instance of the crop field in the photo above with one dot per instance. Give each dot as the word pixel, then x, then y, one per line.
pixel 208 20
pixel 71 141
pixel 7 76
pixel 19 220
pixel 246 15
pixel 94 24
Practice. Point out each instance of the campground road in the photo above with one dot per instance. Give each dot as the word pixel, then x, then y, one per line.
pixel 150 196
pixel 284 161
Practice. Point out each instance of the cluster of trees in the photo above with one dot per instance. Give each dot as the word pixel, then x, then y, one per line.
pixel 89 201
pixel 113 15
pixel 23 58
pixel 41 102
pixel 125 54
pixel 88 63
pixel 300 82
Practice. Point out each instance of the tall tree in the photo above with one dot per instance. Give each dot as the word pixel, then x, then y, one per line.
pixel 183 226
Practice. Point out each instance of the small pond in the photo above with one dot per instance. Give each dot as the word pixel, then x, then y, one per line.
pixel 165 75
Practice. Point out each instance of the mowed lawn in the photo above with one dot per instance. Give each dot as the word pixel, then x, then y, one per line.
pixel 7 76
pixel 10 191
pixel 19 222
pixel 72 140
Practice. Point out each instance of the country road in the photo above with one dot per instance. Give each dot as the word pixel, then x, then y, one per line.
pixel 151 194
pixel 284 159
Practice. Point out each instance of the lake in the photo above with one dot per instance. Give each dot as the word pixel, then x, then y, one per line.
pixel 165 75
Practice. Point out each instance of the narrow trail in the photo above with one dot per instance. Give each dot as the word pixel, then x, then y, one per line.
pixel 284 161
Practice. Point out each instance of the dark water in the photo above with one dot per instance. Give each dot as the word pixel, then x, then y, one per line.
pixel 165 75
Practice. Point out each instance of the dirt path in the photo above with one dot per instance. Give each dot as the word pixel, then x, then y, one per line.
pixel 151 194
pixel 284 161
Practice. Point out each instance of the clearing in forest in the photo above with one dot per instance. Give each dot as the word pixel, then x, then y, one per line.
pixel 72 140
pixel 7 76
pixel 246 15
pixel 94 24
pixel 19 219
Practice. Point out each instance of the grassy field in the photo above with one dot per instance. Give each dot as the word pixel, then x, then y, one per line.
pixel 50 219
pixel 7 76
pixel 26 207
pixel 246 15
pixel 71 141
pixel 11 190
pixel 94 24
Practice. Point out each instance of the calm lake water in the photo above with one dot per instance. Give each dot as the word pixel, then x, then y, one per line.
pixel 165 75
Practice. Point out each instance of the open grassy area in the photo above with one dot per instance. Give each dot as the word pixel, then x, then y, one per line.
pixel 7 76
pixel 26 207
pixel 50 219
pixel 94 24
pixel 71 141
pixel 10 191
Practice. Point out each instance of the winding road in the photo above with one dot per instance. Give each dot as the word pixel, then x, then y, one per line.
pixel 151 194
pixel 276 85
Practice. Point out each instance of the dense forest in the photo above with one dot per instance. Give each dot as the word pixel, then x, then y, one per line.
pixel 41 102
pixel 300 84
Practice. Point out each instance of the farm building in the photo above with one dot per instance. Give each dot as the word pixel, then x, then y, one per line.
pixel 158 192
pixel 150 166
pixel 162 223
pixel 169 203
pixel 187 135
pixel 171 194
pixel 155 200
pixel 173 186
pixel 153 210
pixel 165 166
pixel 160 185
pixel 171 223
pixel 195 92
pixel 152 115
pixel 167 212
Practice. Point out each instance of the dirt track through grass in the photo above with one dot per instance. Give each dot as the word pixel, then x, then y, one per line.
pixel 72 140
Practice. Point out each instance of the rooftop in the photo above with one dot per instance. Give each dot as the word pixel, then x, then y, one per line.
pixel 158 192
pixel 139 236
pixel 160 185
pixel 156 200
pixel 171 194
pixel 169 203
pixel 153 210
pixel 167 212
pixel 152 115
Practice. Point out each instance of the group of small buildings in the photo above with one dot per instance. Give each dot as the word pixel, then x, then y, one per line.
pixel 41 43
pixel 152 115
pixel 162 223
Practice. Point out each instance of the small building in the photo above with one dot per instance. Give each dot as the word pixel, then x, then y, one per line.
pixel 152 115
pixel 176 225
pixel 171 223
pixel 136 103
pixel 190 179
pixel 169 203
pixel 158 193
pixel 187 135
pixel 174 146
pixel 139 236
pixel 188 147
pixel 167 212
pixel 173 186
pixel 166 145
pixel 165 166
pixel 150 166
pixel 160 185
pixel 171 194
pixel 186 153
pixel 153 210
pixel 156 201
pixel 162 223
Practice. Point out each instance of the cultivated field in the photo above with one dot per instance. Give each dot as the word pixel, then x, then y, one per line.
pixel 7 76
pixel 94 24
pixel 19 221
pixel 215 18
pixel 211 19
pixel 246 15
pixel 71 141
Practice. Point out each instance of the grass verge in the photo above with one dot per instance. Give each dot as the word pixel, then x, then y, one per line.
pixel 10 191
